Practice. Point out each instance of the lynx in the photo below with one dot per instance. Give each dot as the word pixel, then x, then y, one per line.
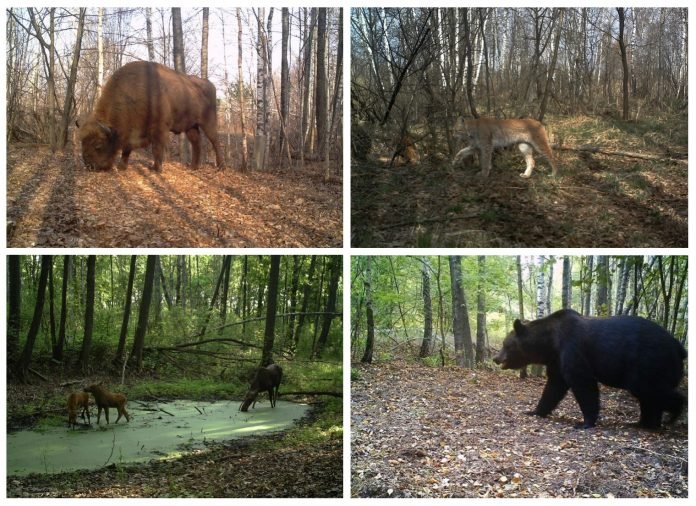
pixel 486 134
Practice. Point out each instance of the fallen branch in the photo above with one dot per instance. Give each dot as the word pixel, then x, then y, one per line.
pixel 664 455
pixel 37 373
pixel 165 411
pixel 68 383
pixel 313 392
pixel 629 154
pixel 429 220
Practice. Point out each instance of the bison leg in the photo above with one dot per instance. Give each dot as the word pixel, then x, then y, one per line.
pixel 123 162
pixel 194 136
pixel 158 145
pixel 211 134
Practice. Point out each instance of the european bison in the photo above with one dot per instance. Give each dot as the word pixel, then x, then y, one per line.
pixel 139 106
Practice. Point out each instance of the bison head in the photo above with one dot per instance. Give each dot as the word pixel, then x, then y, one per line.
pixel 98 144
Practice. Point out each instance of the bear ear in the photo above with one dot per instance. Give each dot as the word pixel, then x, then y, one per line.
pixel 520 328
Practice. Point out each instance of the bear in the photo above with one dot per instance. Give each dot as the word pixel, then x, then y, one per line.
pixel 627 352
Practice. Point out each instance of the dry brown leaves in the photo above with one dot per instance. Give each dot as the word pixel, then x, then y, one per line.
pixel 601 202
pixel 52 203
pixel 424 432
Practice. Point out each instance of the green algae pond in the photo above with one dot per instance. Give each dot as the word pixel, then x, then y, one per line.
pixel 155 432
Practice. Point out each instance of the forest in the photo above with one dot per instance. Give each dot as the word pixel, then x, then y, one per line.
pixel 185 338
pixel 277 76
pixel 432 411
pixel 610 87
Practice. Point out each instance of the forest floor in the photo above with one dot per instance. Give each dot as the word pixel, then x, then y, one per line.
pixel 51 202
pixel 305 461
pixel 424 432
pixel 597 200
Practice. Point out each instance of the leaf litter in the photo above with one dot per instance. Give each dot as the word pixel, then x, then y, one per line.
pixel 51 202
pixel 450 432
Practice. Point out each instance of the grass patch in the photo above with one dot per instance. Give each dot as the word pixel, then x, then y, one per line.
pixel 327 425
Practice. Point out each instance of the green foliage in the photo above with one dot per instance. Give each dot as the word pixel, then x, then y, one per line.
pixel 183 304
pixel 328 425
pixel 398 300
pixel 186 388
pixel 432 361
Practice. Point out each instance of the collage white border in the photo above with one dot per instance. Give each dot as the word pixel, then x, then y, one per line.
pixel 346 250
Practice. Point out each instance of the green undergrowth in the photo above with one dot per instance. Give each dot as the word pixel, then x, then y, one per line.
pixel 325 424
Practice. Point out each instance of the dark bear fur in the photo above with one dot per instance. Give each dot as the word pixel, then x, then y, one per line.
pixel 626 352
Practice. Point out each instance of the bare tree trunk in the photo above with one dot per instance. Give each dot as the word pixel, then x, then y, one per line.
pixel 204 74
pixel 146 299
pixel 272 304
pixel 307 78
pixel 268 86
pixel 370 343
pixel 120 352
pixel 148 27
pixel 469 65
pixel 427 344
pixel 240 83
pixel 567 283
pixel 624 62
pixel 179 66
pixel 520 302
pixel 25 358
pixel 602 306
pixel 481 332
pixel 69 92
pixel 48 47
pixel 284 80
pixel 337 92
pixel 100 50
pixel 14 304
pixel 261 66
pixel 558 17
pixel 336 268
pixel 463 347
pixel 320 83
pixel 89 314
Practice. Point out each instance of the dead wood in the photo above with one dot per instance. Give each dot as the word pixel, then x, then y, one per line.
pixel 587 148
pixel 71 382
pixel 313 392
pixel 38 374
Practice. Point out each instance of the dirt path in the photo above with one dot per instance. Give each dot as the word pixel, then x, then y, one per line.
pixel 612 203
pixel 424 432
pixel 51 203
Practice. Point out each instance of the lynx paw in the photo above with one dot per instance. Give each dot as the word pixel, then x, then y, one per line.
pixel 525 175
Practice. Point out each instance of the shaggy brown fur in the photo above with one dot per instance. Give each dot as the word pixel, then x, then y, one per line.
pixel 139 106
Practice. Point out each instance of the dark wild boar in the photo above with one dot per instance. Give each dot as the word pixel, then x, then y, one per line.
pixel 266 379
pixel 105 400
pixel 140 104
pixel 77 400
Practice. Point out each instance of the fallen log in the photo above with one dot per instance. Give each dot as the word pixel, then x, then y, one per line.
pixel 629 154
pixel 37 374
pixel 313 392
pixel 72 382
